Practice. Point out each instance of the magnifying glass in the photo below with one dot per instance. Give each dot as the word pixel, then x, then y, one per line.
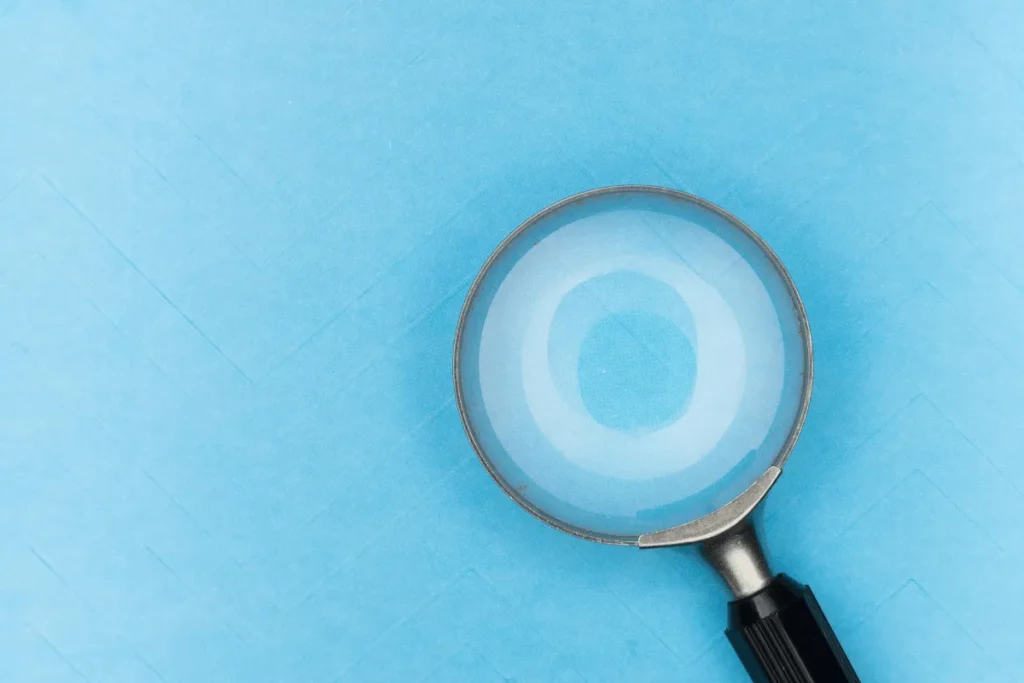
pixel 633 366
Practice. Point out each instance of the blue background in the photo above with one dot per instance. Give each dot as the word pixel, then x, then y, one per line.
pixel 234 239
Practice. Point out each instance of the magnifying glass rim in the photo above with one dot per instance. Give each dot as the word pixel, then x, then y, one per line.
pixel 720 522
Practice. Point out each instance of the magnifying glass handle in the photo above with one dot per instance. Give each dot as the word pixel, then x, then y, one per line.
pixel 775 624
pixel 782 636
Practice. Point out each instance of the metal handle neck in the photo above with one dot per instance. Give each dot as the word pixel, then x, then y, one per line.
pixel 737 557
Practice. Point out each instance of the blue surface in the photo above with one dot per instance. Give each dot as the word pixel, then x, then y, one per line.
pixel 234 238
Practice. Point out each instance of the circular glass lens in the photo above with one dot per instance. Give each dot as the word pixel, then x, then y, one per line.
pixel 631 360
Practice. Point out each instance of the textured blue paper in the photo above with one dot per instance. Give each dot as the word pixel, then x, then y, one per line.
pixel 234 239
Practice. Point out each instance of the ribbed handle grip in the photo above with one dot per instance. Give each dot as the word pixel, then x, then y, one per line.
pixel 782 636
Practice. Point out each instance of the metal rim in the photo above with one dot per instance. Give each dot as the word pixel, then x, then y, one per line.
pixel 798 307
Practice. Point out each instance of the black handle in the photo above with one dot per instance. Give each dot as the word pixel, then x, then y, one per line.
pixel 782 636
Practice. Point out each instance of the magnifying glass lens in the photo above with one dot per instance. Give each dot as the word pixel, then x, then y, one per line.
pixel 629 362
